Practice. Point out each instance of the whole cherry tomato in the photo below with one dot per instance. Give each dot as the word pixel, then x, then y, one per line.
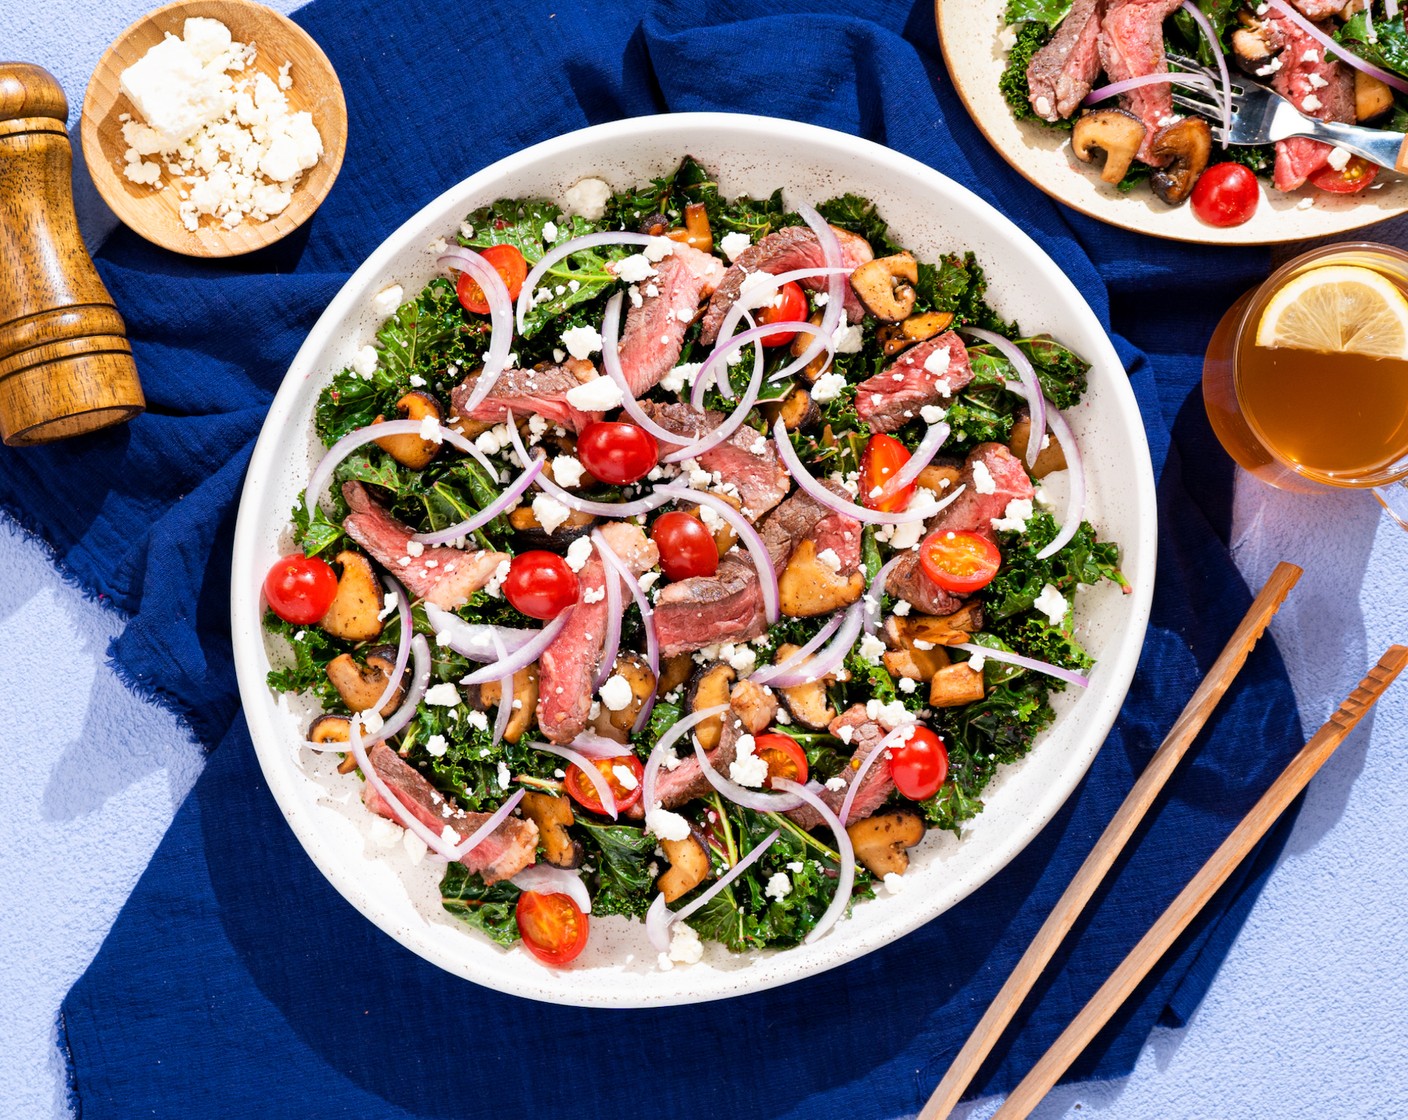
pixel 540 584
pixel 508 262
pixel 1354 176
pixel 617 452
pixel 1226 194
pixel 785 758
pixel 626 792
pixel 788 306
pixel 686 547
pixel 879 463
pixel 300 589
pixel 959 561
pixel 919 764
pixel 552 926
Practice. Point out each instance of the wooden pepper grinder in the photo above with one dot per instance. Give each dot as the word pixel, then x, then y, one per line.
pixel 65 363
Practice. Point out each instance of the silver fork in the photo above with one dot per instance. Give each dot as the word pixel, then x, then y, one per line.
pixel 1261 115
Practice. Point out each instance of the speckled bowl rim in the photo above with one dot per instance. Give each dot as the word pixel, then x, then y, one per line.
pixel 622 972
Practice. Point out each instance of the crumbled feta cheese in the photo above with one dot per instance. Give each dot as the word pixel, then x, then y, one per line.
pixel 932 413
pixel 384 833
pixel 616 692
pixel 743 659
pixel 847 340
pixel 685 946
pixel 387 300
pixel 567 471
pixel 578 552
pixel 1052 604
pixel 844 733
pixel 371 721
pixel 1316 81
pixel 891 715
pixel 415 847
pixel 893 883
pixel 1338 158
pixel 1305 204
pixel 938 362
pixel 734 243
pixel 496 581
pixel 982 478
pixel 828 387
pixel 747 769
pixel 907 534
pixel 596 395
pixel 443 695
pixel 581 341
pixel 478 720
pixel 759 289
pixel 779 886
pixel 666 825
pixel 364 362
pixel 587 197
pixel 1311 104
pixel 435 746
pixel 549 512
pixel 430 430
pixel 1312 55
pixel 838 783
pixel 871 648
pixel 828 557
pixel 1270 68
pixel 978 660
pixel 1015 517
pixel 504 776
pixel 902 608
pixel 906 685
pixel 634 269
pixel 549 231
pixel 389 603
pixel 1007 37
pixel 593 595
pixel 676 379
pixel 657 249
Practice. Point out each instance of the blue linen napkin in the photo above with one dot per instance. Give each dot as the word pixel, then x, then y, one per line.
pixel 236 982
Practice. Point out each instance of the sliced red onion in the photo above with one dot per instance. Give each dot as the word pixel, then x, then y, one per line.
pixel 1211 36
pixel 1036 400
pixel 647 618
pixel 500 319
pixel 591 745
pixel 847 877
pixel 585 765
pixel 793 661
pixel 850 798
pixel 611 363
pixel 612 645
pixel 566 249
pixel 370 434
pixel 1339 50
pixel 752 541
pixel 479 835
pixel 831 658
pixel 475 640
pixel 554 880
pixel 420 679
pixel 524 655
pixel 742 795
pixel 665 742
pixel 792 461
pixel 923 455
pixel 1075 496
pixel 505 692
pixel 835 288
pixel 1046 667
pixel 499 505
pixel 619 510
pixel 1390 7
pixel 731 424
pixel 403 645
pixel 657 924
pixel 721 378
pixel 875 595
pixel 1197 81
pixel 731 874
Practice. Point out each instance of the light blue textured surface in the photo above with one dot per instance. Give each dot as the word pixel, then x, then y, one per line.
pixel 1308 1019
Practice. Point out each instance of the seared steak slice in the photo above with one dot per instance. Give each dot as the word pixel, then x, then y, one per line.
pixel 501 855
pixel 654 332
pixel 1132 45
pixel 875 787
pixel 907 581
pixel 724 607
pixel 784 251
pixel 526 391
pixel 446 577
pixel 1315 87
pixel 746 459
pixel 974 510
pixel 928 373
pixel 800 517
pixel 840 534
pixel 1319 9
pixel 1061 73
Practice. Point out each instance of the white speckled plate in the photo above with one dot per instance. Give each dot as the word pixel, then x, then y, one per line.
pixel 968 33
pixel 751 155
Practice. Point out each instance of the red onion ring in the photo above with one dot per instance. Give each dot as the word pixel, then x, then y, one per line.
pixel 730 875
pixel 1172 77
pixel 875 596
pixel 1340 52
pixel 728 426
pixel 403 646
pixel 612 645
pixel 835 287
pixel 370 434
pixel 831 658
pixel 591 745
pixel 500 318
pixel 475 640
pixel 526 654
pixel 420 679
pixel 505 693
pixel 499 505
pixel 1075 498
pixel 554 880
pixel 1027 663
pixel 611 363
pixel 647 618
pixel 847 876
pixel 497 818
pixel 566 249
pixel 742 795
pixel 1036 399
pixel 657 924
pixel 1390 8
pixel 923 455
pixel 752 541
pixel 875 751
pixel 620 510
pixel 593 775
pixel 768 672
pixel 1208 33
pixel 664 743
pixel 812 486
pixel 721 378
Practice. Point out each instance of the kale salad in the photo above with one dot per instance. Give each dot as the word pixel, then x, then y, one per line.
pixel 687 559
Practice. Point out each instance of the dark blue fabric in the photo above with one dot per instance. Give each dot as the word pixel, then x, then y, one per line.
pixel 236 983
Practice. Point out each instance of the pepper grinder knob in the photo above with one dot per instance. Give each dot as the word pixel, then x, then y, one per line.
pixel 65 363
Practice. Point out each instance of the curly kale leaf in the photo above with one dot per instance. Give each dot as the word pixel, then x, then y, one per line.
pixel 319 533
pixel 622 856
pixel 957 284
pixel 1061 372
pixel 313 647
pixel 980 415
pixel 860 215
pixel 1083 559
pixel 490 909
pixel 1386 45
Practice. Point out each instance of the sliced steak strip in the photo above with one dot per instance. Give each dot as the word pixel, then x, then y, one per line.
pixel 788 249
pixel 746 459
pixel 446 577
pixel 974 510
pixel 526 391
pixel 724 607
pixel 875 787
pixel 1061 73
pixel 928 373
pixel 1315 87
pixel 1131 46
pixel 501 855
pixel 654 332
pixel 907 581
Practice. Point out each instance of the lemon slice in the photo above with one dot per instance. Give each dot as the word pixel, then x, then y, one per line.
pixel 1338 309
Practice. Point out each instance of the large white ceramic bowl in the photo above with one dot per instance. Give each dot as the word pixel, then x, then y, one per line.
pixel 750 155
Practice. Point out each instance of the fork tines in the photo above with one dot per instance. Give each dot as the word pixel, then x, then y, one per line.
pixel 1206 110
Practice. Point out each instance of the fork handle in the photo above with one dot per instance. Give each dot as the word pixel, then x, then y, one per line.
pixel 1387 149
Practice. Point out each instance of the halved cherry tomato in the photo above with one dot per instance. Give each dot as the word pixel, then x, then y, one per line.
pixel 788 306
pixel 1226 194
pixel 879 463
pixel 959 561
pixel 1357 174
pixel 617 452
pixel 508 262
pixel 686 547
pixel 552 927
pixel 785 758
pixel 300 589
pixel 540 584
pixel 626 795
pixel 919 764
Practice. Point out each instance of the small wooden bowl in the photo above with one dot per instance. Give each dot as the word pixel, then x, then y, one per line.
pixel 154 214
